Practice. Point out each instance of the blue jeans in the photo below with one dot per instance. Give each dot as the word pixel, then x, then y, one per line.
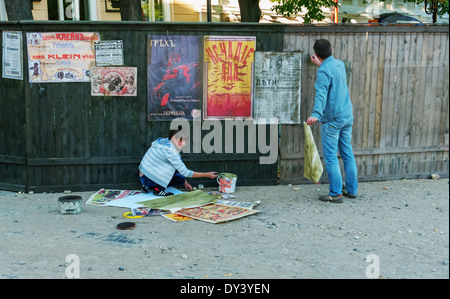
pixel 337 135
pixel 177 180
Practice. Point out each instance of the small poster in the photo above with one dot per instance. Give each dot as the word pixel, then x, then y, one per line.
pixel 109 53
pixel 174 76
pixel 60 56
pixel 114 81
pixel 277 87
pixel 228 63
pixel 12 55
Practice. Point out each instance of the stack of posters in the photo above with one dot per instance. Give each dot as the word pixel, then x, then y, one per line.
pixel 209 207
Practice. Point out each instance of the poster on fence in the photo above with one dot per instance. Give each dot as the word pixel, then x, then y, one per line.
pixel 277 87
pixel 174 76
pixel 228 64
pixel 60 57
pixel 109 53
pixel 114 81
pixel 12 55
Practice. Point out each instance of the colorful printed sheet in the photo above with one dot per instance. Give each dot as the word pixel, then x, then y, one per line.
pixel 60 56
pixel 104 196
pixel 176 217
pixel 228 82
pixel 216 213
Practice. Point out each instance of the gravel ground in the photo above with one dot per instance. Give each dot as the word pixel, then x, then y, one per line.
pixel 393 230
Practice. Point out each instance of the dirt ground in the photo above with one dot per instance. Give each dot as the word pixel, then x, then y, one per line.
pixel 398 228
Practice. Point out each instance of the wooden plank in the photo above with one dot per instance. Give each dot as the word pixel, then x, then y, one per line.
pixel 381 151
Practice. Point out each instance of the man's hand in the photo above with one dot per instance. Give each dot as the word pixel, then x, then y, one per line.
pixel 212 174
pixel 187 186
pixel 311 120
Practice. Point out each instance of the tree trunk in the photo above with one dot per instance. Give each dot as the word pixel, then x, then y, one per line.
pixel 18 10
pixel 131 10
pixel 250 11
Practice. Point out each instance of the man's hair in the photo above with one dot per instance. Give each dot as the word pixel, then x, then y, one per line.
pixel 179 134
pixel 322 48
pixel 173 132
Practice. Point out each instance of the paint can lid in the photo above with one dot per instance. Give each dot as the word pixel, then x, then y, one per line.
pixel 126 225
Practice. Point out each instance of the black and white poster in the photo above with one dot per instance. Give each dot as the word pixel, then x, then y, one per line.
pixel 109 53
pixel 12 58
pixel 277 87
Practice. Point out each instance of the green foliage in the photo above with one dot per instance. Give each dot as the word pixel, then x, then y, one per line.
pixel 312 8
pixel 314 12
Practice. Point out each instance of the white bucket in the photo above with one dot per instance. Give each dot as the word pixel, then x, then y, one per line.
pixel 227 182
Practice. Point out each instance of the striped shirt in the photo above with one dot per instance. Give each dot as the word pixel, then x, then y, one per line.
pixel 161 161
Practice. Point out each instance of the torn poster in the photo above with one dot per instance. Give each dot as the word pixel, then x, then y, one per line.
pixel 114 81
pixel 174 76
pixel 277 87
pixel 228 64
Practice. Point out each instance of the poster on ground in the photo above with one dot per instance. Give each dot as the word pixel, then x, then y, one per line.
pixel 216 213
pixel 228 76
pixel 114 81
pixel 12 55
pixel 174 69
pixel 277 87
pixel 60 56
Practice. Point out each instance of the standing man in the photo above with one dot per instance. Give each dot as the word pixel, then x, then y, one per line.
pixel 333 108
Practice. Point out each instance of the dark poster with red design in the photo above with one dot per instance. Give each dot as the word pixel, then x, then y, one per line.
pixel 174 76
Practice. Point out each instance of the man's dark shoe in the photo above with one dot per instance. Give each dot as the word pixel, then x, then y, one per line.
pixel 348 195
pixel 158 192
pixel 329 198
pixel 344 192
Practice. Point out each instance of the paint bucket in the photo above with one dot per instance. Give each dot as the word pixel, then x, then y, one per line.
pixel 227 182
pixel 70 204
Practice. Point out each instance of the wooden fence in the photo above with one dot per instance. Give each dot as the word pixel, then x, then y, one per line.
pixel 56 137
pixel 398 80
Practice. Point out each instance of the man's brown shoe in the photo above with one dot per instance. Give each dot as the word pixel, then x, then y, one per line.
pixel 329 198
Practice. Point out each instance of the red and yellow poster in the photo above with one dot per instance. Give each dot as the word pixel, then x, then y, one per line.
pixel 228 62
